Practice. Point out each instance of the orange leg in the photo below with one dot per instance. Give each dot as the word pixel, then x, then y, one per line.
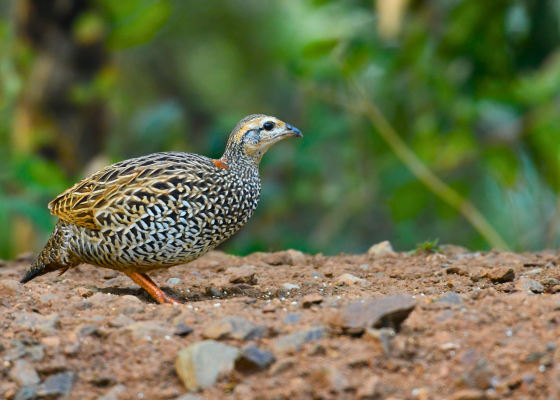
pixel 149 286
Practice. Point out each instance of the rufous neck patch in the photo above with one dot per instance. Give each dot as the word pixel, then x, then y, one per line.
pixel 220 164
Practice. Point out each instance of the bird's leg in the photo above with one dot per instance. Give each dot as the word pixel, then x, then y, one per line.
pixel 149 286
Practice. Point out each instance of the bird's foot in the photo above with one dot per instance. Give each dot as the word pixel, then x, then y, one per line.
pixel 150 286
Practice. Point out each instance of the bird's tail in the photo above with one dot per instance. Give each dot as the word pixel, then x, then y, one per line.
pixel 53 257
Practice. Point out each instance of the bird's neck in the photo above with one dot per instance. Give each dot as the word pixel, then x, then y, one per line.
pixel 237 160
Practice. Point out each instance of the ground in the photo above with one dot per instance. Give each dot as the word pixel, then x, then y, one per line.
pixel 454 324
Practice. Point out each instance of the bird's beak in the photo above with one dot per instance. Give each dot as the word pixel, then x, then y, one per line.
pixel 292 131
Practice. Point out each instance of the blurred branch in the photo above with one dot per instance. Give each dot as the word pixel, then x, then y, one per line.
pixel 416 166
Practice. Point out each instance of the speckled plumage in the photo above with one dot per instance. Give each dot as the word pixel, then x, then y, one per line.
pixel 159 210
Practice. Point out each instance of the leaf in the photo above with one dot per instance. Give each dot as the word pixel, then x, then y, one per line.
pixel 141 27
pixel 319 48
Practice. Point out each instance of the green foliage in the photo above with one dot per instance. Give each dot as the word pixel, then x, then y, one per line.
pixel 472 87
pixel 428 247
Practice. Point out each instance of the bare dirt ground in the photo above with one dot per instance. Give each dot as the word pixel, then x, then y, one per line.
pixel 285 325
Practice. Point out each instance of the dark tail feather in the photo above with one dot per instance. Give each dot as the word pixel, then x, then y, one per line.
pixel 52 258
pixel 33 272
pixel 39 268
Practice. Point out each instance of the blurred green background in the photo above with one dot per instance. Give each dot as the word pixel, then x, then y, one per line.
pixel 471 87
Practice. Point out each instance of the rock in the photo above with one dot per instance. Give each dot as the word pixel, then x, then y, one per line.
pixel 24 374
pixel 182 329
pixel 289 257
pixel 469 394
pixel 200 364
pixel 369 389
pixel 349 279
pixel 253 359
pixel 501 274
pixel 525 284
pixel 57 385
pixel 382 336
pixel 365 267
pixel 9 287
pixel 377 312
pixel 326 377
pixel 212 292
pixel 451 298
pixel 269 308
pixel 237 328
pixel 294 341
pixel 25 393
pixel 535 271
pixel 44 324
pixel 311 299
pixel 120 321
pixel 246 275
pixel 83 292
pixel 174 281
pixel 289 286
pixel 381 249
pixel 147 330
pixel 283 365
pixel 317 275
pixel 113 393
pixel 292 318
pixel 456 270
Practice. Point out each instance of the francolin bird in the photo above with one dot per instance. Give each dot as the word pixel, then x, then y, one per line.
pixel 160 210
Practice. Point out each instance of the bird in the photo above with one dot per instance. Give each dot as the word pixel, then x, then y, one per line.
pixel 160 210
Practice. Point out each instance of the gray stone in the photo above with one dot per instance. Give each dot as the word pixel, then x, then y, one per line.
pixel 289 286
pixel 349 279
pixel 113 393
pixel 381 249
pixel 376 312
pixel 57 385
pixel 451 298
pixel 253 359
pixel 120 321
pixel 200 364
pixel 182 329
pixel 292 318
pixel 24 374
pixel 283 365
pixel 26 393
pixel 237 328
pixel 529 284
pixel 148 330
pixel 294 341
pixel 174 281
pixel 44 324
pixel 535 271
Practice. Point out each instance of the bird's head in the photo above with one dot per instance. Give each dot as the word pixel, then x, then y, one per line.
pixel 254 134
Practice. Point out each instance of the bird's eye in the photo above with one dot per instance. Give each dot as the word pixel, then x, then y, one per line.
pixel 268 126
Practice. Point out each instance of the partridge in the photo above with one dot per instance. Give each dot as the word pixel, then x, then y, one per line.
pixel 160 210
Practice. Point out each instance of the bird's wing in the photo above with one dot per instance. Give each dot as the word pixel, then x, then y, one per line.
pixel 123 191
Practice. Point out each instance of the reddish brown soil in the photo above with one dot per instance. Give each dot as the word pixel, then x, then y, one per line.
pixel 502 341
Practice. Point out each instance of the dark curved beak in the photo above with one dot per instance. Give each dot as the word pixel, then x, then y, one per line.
pixel 293 131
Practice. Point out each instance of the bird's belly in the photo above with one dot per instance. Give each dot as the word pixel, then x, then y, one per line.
pixel 157 241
